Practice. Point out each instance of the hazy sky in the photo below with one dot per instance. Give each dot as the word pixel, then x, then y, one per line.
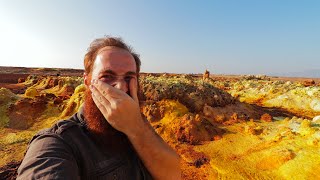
pixel 223 36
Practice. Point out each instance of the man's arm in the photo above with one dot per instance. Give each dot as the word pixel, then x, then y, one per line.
pixel 123 113
pixel 48 157
pixel 161 161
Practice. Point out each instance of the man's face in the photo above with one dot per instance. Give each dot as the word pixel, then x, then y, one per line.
pixel 116 67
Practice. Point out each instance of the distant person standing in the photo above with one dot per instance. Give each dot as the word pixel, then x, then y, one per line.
pixel 107 138
pixel 206 75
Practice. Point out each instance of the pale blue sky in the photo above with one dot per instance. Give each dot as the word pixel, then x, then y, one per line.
pixel 223 36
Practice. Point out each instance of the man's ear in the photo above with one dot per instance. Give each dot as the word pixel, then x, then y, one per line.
pixel 86 79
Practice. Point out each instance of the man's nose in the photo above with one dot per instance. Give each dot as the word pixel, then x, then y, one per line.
pixel 121 84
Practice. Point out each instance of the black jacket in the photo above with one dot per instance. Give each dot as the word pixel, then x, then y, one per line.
pixel 66 151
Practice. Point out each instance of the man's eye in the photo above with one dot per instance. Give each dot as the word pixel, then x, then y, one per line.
pixel 108 77
pixel 128 78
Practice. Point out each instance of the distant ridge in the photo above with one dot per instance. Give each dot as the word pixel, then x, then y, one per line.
pixel 41 71
pixel 311 73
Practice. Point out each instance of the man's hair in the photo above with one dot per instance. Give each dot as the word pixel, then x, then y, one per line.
pixel 100 43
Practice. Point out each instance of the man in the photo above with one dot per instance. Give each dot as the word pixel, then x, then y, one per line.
pixel 107 138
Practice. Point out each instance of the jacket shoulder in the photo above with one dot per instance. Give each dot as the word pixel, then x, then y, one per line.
pixel 59 128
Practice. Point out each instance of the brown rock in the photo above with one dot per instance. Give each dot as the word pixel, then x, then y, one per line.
pixel 217 137
pixel 193 95
pixel 194 129
pixel 9 171
pixel 266 117
pixel 52 83
pixel 57 100
pixel 309 82
pixel 25 112
pixel 153 112
pixel 60 83
pixel 21 80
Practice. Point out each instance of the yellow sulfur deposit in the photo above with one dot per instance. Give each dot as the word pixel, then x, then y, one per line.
pixel 74 102
pixel 6 99
pixel 31 92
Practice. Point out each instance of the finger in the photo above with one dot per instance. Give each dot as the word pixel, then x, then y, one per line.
pixel 100 106
pixel 134 89
pixel 99 97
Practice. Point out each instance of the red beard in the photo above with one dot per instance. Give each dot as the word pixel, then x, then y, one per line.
pixel 102 133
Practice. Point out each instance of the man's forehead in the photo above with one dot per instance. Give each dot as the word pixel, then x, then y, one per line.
pixel 115 59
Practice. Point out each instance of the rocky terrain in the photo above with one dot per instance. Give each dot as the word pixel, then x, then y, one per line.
pixel 223 127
